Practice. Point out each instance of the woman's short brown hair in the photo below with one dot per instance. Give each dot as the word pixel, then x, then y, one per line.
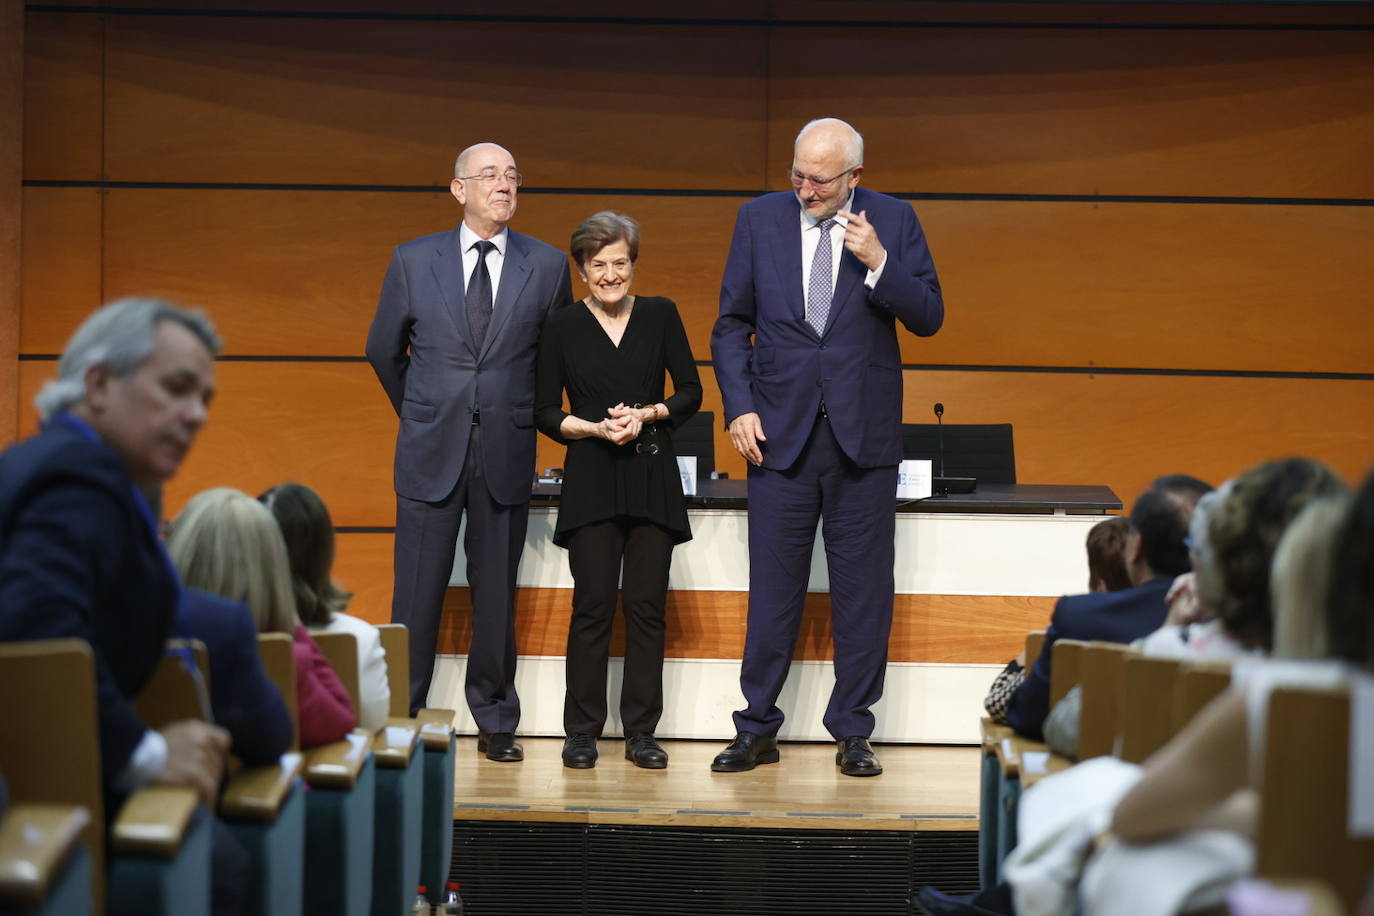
pixel 602 229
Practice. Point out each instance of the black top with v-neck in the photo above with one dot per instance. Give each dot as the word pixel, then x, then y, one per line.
pixel 601 480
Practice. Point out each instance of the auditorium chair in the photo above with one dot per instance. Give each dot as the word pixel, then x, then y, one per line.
pixel 158 856
pixel 339 808
pixel 1066 671
pixel 263 806
pixel 1004 774
pixel 697 436
pixel 1199 682
pixel 1101 680
pixel 1145 717
pixel 437 739
pixel 45 869
pixel 985 451
pixel 400 787
pixel 1305 794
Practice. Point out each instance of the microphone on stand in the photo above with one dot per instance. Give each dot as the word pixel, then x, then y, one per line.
pixel 940 434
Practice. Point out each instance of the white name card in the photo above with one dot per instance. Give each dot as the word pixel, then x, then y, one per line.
pixel 687 470
pixel 913 478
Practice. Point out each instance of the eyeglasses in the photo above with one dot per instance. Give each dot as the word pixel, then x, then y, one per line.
pixel 800 178
pixel 650 430
pixel 490 176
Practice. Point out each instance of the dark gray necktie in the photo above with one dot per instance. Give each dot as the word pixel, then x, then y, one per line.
pixel 479 295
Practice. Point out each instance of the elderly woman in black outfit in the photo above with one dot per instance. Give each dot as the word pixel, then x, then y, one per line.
pixel 622 496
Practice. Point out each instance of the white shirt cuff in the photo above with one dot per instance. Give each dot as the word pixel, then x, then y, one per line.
pixel 875 275
pixel 146 763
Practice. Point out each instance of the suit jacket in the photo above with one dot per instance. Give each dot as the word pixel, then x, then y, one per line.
pixel 420 347
pixel 242 697
pixel 768 360
pixel 1121 616
pixel 78 558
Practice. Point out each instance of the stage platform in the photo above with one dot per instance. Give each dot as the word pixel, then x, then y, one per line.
pixel 921 788
pixel 792 837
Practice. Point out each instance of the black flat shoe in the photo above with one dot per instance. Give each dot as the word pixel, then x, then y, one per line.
pixel 855 757
pixel 500 746
pixel 579 751
pixel 747 751
pixel 644 751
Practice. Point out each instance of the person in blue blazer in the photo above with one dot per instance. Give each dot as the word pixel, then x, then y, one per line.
pixel 453 343
pixel 807 358
pixel 1156 552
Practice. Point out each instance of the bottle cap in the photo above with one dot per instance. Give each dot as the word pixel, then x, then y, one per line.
pixel 452 885
pixel 421 889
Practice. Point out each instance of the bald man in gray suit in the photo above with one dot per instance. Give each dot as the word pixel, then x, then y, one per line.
pixel 453 344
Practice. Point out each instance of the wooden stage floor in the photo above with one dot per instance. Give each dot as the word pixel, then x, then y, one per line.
pixel 922 788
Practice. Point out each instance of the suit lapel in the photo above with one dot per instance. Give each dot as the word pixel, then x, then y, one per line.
pixel 448 274
pixel 515 272
pixel 787 254
pixel 851 274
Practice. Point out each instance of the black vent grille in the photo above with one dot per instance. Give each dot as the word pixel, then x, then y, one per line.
pixel 542 869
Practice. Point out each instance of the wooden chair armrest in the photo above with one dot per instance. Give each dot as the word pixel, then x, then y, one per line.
pixel 336 766
pixel 395 742
pixel 257 794
pixel 991 734
pixel 1008 758
pixel 34 842
pixel 436 728
pixel 154 821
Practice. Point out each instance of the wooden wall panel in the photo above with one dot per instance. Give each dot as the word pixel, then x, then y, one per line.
pixel 388 102
pixel 62 261
pixel 1041 284
pixel 1155 285
pixel 329 426
pixel 281 275
pixel 63 83
pixel 11 199
pixel 1250 113
pixel 960 629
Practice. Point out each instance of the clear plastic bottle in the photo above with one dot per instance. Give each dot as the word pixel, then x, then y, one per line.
pixel 453 901
pixel 421 905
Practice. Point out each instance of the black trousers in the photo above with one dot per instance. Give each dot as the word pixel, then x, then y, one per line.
pixel 595 554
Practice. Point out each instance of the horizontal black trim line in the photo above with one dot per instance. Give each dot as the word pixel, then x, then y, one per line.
pixel 745 193
pixel 227 358
pixel 1131 370
pixel 753 23
pixel 921 367
pixel 364 529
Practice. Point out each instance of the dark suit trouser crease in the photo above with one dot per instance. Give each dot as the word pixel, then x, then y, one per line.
pixel 426 537
pixel 858 524
pixel 595 554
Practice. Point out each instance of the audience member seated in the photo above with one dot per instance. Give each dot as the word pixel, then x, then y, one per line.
pixel 1155 554
pixel 320 603
pixel 79 549
pixel 1106 573
pixel 227 543
pixel 243 699
pixel 1234 533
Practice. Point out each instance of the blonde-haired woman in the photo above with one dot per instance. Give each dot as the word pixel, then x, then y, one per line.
pixel 228 543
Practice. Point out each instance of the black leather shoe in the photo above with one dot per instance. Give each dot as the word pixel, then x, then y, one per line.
pixel 747 751
pixel 579 751
pixel 855 757
pixel 500 746
pixel 644 751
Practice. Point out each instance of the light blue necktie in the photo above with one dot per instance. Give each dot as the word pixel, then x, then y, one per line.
pixel 818 289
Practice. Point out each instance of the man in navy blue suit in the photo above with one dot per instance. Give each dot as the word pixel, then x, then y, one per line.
pixel 810 370
pixel 1156 553
pixel 79 549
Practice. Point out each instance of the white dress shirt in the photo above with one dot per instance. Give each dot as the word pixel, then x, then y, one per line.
pixel 495 259
pixel 811 235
